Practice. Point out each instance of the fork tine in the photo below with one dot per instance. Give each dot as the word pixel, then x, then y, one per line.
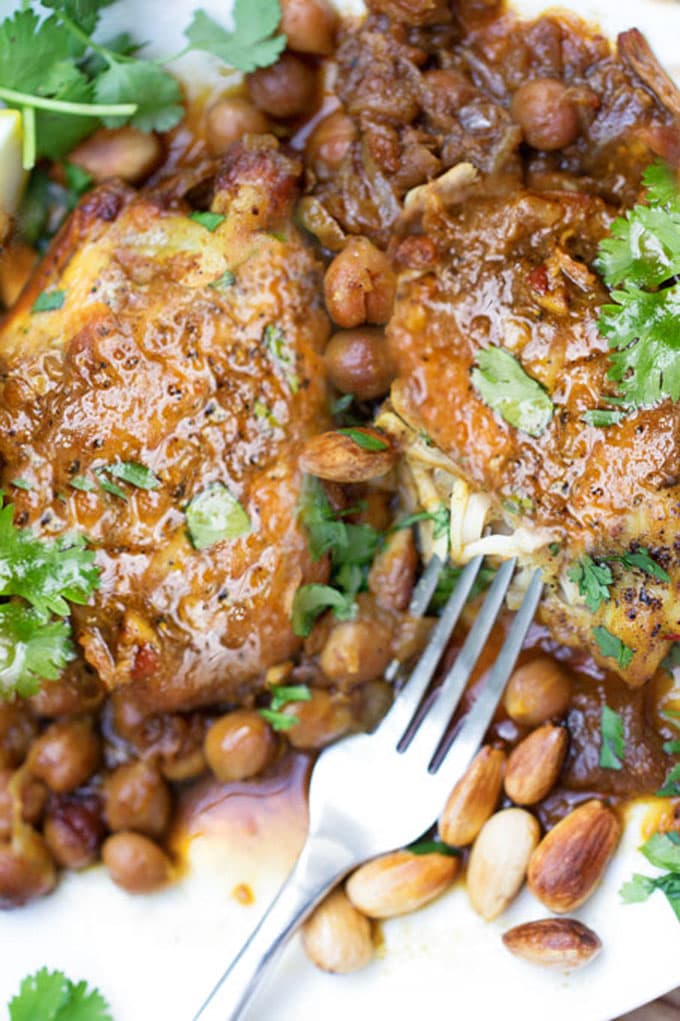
pixel 437 718
pixel 454 759
pixel 420 600
pixel 405 704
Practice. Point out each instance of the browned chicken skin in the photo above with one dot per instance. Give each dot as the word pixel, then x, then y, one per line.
pixel 517 272
pixel 147 362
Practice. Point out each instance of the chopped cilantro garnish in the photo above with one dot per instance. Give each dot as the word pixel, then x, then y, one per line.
pixel 22 484
pixel 640 262
pixel 671 785
pixel 282 694
pixel 214 515
pixel 134 474
pixel 109 487
pixel 593 581
pixel 82 483
pixel 49 301
pixel 278 720
pixel 77 178
pixel 342 404
pixel 33 648
pixel 223 282
pixel 505 387
pixel 363 439
pixel 440 518
pixel 612 740
pixel 641 560
pixel 310 601
pixel 612 647
pixel 671 747
pixel 50 996
pixel 210 221
pixel 602 417
pixel 448 580
pixel 433 847
pixel 251 43
pixel 275 341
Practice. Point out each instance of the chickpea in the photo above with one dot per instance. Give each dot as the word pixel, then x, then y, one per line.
pixel 18 727
pixel 359 285
pixel 26 870
pixel 136 797
pixel 118 152
pixel 73 831
pixel 358 362
pixel 239 745
pixel 309 26
pixel 322 719
pixel 33 796
pixel 66 754
pixel 538 691
pixel 135 863
pixel 186 766
pixel 286 89
pixel 329 143
pixel 546 114
pixel 356 651
pixel 370 703
pixel 229 119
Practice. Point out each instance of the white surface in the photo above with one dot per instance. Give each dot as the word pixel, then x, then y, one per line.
pixel 156 957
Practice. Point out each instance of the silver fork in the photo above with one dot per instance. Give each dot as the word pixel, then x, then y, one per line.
pixel 372 793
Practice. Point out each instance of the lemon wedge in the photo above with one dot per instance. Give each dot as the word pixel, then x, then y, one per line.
pixel 12 174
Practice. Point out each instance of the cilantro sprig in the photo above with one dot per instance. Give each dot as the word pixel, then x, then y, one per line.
pixel 352 548
pixel 594 577
pixel 612 739
pixel 640 263
pixel 65 84
pixel 281 696
pixel 39 578
pixel 663 851
pixel 51 996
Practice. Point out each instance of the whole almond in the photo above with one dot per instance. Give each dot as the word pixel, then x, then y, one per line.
pixel 554 942
pixel 474 798
pixel 570 861
pixel 399 882
pixel 535 764
pixel 356 456
pixel 499 859
pixel 337 937
pixel 538 691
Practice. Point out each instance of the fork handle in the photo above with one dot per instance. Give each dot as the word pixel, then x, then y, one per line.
pixel 321 863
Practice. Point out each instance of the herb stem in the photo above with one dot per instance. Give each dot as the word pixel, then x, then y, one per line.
pixel 28 137
pixel 175 56
pixel 25 99
pixel 79 33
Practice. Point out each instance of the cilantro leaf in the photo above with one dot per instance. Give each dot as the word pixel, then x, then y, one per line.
pixel 78 179
pixel 612 740
pixel 250 45
pixel 134 474
pixel 671 785
pixel 51 996
pixel 641 560
pixel 49 301
pixel 155 93
pixel 640 262
pixel 278 720
pixel 440 518
pixel 224 281
pixel 43 572
pixel 602 417
pixel 448 580
pixel 612 647
pixel 433 847
pixel 505 387
pixel 210 221
pixel 85 13
pixel 82 483
pixel 282 694
pixel 593 581
pixel 310 601
pixel 637 889
pixel 275 341
pixel 363 439
pixel 32 649
pixel 664 852
pixel 213 515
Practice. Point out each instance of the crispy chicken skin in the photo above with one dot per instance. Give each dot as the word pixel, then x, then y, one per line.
pixel 517 272
pixel 147 362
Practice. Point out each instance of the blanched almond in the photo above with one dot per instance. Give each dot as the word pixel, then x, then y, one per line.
pixel 538 691
pixel 535 764
pixel 337 937
pixel 499 859
pixel 554 942
pixel 473 799
pixel 570 861
pixel 399 882
pixel 361 455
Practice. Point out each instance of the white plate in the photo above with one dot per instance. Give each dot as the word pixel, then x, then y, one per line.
pixel 155 958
